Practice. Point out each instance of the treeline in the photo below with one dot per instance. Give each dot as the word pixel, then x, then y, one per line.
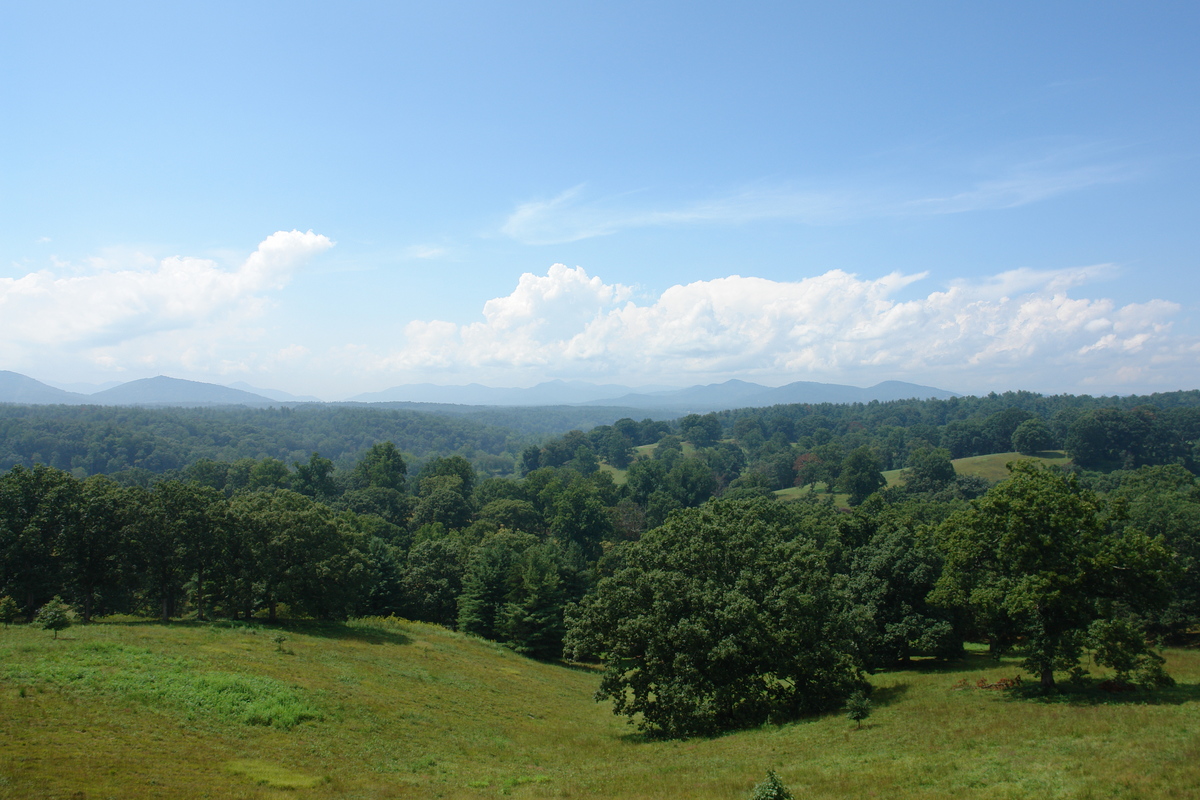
pixel 135 444
pixel 844 446
pixel 1099 432
pixel 445 545
pixel 690 617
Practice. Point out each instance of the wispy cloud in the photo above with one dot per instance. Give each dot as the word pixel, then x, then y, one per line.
pixel 573 215
pixel 424 251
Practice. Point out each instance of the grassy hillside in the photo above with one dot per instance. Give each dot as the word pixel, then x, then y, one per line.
pixel 397 709
pixel 994 466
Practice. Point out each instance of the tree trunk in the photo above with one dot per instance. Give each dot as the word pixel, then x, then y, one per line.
pixel 200 615
pixel 1047 678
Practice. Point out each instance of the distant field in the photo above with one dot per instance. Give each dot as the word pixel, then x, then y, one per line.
pixel 993 466
pixel 397 709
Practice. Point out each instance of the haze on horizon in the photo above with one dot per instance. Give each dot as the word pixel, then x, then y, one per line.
pixel 330 201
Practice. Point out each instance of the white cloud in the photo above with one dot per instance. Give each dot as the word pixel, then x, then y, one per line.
pixel 1021 328
pixel 102 305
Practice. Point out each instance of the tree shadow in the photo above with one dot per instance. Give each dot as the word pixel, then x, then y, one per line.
pixel 322 629
pixel 596 668
pixel 368 634
pixel 970 659
pixel 887 695
pixel 1091 694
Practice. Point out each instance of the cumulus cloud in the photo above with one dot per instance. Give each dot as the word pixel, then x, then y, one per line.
pixel 1023 327
pixel 105 304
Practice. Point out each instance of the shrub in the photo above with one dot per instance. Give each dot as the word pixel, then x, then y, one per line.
pixel 771 789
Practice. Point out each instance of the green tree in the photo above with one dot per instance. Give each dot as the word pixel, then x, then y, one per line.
pixel 580 517
pixel 489 579
pixel 701 431
pixel 928 470
pixel 445 506
pixel 890 577
pixel 9 611
pixel 450 466
pixel 1036 559
pixel 1164 501
pixel 532 622
pixel 269 473
pixel 53 616
pixel 858 707
pixel 31 525
pixel 315 479
pixel 860 475
pixel 516 515
pixel 382 466
pixel 1032 436
pixel 94 547
pixel 297 551
pixel 726 616
pixel 432 580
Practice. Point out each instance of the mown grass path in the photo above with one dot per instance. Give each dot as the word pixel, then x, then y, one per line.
pixel 191 710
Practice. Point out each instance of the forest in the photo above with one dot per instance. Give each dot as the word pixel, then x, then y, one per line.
pixel 726 569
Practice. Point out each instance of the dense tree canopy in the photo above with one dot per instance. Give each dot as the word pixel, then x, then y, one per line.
pixel 724 617
pixel 1037 559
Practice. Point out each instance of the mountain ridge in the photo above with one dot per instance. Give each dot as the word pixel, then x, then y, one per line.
pixel 734 393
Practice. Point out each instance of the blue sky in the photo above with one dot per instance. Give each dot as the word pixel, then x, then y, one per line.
pixel 331 199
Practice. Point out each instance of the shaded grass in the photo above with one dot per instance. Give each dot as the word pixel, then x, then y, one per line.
pixel 427 712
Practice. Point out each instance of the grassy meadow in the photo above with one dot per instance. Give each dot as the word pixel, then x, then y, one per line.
pixel 993 467
pixel 387 708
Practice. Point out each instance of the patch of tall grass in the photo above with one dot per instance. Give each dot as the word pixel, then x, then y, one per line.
pixel 139 675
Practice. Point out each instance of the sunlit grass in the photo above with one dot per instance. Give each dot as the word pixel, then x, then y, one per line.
pixel 994 467
pixel 406 709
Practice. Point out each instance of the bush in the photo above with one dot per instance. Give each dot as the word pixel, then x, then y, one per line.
pixel 771 789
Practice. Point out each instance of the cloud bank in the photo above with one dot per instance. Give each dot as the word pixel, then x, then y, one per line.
pixel 104 305
pixel 1018 329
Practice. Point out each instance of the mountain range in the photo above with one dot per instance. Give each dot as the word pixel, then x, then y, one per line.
pixel 164 391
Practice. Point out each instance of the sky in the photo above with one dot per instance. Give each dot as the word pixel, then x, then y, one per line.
pixel 330 199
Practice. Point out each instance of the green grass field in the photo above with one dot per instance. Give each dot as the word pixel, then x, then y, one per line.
pixel 395 709
pixel 994 467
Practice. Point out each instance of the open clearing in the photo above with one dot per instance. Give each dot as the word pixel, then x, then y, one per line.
pixel 379 709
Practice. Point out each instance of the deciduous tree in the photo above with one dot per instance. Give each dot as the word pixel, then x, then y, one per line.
pixel 726 616
pixel 1037 562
